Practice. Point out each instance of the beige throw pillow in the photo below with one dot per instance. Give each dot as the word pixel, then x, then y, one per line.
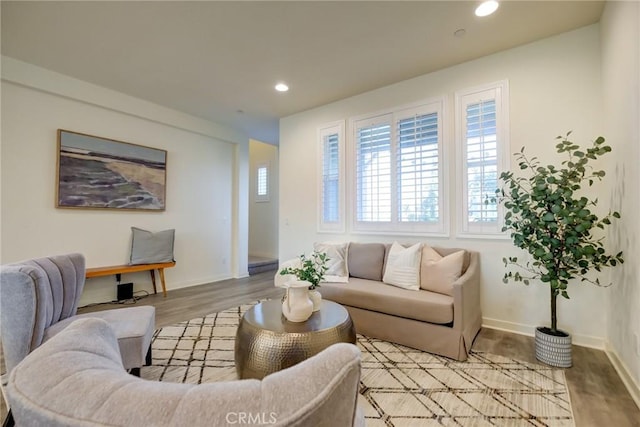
pixel 337 263
pixel 438 273
pixel 403 267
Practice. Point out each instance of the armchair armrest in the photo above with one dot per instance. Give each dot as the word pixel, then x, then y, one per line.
pixel 55 386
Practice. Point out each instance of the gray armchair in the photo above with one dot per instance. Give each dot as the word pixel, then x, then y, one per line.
pixel 39 298
pixel 77 379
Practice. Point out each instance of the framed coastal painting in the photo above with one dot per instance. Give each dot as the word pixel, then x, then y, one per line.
pixel 102 173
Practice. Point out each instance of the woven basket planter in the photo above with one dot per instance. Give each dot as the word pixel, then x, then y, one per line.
pixel 553 350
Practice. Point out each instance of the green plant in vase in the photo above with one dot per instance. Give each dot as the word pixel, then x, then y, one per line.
pixel 550 216
pixel 312 268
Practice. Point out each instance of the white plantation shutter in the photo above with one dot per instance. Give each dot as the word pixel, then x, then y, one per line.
pixel 331 187
pixel 418 168
pixel 262 183
pixel 373 171
pixel 330 179
pixel 398 171
pixel 483 145
pixel 482 161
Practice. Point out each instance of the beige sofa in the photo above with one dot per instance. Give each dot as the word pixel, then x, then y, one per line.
pixel 440 323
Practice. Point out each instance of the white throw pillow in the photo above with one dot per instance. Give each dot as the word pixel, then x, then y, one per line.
pixel 403 267
pixel 438 273
pixel 337 263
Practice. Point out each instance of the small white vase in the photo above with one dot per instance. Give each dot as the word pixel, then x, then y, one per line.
pixel 316 299
pixel 297 307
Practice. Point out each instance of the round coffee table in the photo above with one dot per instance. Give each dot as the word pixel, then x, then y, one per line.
pixel 267 342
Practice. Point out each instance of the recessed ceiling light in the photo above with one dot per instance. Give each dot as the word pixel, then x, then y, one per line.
pixel 281 87
pixel 460 32
pixel 487 8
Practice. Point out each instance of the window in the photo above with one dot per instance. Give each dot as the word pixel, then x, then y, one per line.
pixel 262 183
pixel 398 182
pixel 373 171
pixel 331 186
pixel 419 169
pixel 483 147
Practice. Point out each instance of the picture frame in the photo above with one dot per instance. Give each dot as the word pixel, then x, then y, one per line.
pixel 101 173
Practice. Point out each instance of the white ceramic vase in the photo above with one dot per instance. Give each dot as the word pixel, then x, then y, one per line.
pixel 297 307
pixel 316 299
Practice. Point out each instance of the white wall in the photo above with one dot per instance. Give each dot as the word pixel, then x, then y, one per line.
pixel 263 215
pixel 620 33
pixel 200 181
pixel 555 86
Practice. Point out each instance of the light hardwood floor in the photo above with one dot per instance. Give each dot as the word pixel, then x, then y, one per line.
pixel 598 396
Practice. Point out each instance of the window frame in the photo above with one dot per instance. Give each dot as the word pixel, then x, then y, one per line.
pixel 393 116
pixel 261 198
pixel 323 226
pixel 498 91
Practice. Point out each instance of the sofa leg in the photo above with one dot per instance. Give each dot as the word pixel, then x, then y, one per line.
pixel 147 359
pixel 135 372
pixel 9 421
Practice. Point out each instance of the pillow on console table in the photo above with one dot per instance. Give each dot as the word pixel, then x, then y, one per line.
pixel 337 253
pixel 403 266
pixel 438 273
pixel 151 248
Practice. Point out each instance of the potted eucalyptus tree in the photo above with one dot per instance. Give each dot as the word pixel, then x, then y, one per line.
pixel 310 269
pixel 550 216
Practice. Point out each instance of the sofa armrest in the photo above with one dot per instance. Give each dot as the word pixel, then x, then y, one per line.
pixel 466 295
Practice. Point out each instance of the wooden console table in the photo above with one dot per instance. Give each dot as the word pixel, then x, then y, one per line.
pixel 117 270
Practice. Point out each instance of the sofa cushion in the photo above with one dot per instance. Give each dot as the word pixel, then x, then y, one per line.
pixel 365 260
pixel 437 272
pixel 448 251
pixel 402 268
pixel 133 328
pixel 374 295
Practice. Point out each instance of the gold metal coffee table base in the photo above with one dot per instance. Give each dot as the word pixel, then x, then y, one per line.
pixel 266 342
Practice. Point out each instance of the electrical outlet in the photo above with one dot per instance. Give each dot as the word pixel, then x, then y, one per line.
pixel 637 344
pixel 224 261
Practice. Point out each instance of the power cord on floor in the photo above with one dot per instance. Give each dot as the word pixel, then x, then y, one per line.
pixel 128 301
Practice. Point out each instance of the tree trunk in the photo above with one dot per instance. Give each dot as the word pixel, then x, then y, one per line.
pixel 554 318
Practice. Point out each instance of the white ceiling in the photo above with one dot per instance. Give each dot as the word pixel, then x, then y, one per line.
pixel 220 60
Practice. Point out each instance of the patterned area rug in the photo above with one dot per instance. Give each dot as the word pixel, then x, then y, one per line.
pixel 400 386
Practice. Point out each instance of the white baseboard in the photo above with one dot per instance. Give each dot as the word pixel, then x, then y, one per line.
pixel 529 330
pixel 197 282
pixel 623 373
